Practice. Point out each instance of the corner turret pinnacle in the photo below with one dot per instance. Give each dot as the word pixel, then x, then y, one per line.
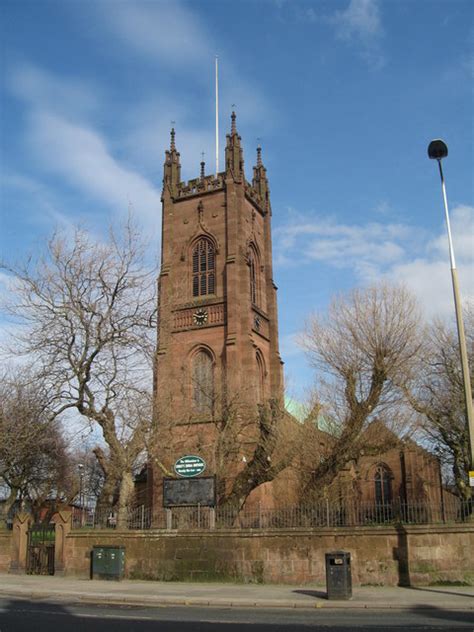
pixel 234 162
pixel 172 167
pixel 260 181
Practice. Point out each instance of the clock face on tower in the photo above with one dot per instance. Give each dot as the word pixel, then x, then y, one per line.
pixel 200 317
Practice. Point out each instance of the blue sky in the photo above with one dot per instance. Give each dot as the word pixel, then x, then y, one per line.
pixel 344 95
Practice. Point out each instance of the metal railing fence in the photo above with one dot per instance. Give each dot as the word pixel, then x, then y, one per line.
pixel 347 513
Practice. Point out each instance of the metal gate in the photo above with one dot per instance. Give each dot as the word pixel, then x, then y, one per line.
pixel 40 552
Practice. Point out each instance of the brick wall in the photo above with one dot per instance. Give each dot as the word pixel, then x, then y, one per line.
pixel 383 556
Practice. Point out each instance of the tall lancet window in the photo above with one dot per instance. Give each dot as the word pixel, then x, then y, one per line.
pixel 204 268
pixel 254 278
pixel 383 484
pixel 203 382
pixel 260 379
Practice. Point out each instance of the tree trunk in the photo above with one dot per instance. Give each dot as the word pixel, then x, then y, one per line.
pixel 109 493
pixel 7 505
pixel 124 501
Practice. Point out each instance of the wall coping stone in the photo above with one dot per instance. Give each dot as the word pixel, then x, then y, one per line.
pixel 273 533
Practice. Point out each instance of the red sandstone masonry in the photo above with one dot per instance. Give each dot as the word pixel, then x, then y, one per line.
pixel 235 216
pixel 379 555
pixel 5 550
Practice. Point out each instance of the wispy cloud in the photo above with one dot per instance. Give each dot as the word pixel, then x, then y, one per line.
pixel 164 31
pixel 115 168
pixel 74 97
pixel 80 155
pixel 428 275
pixel 60 136
pixel 360 25
pixel 172 35
pixel 35 195
pixel 361 19
pixel 361 247
pixel 397 252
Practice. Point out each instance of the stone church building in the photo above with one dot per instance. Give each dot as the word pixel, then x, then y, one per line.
pixel 217 349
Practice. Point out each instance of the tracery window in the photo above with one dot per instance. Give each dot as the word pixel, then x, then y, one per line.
pixel 203 382
pixel 204 268
pixel 383 484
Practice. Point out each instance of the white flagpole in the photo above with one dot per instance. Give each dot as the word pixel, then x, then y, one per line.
pixel 217 120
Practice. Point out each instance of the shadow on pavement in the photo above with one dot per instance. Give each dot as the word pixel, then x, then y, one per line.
pixel 440 591
pixel 319 594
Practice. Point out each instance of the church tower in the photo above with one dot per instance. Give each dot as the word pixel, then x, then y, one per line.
pixel 217 350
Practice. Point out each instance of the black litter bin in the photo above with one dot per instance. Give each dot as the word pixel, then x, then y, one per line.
pixel 338 575
pixel 108 562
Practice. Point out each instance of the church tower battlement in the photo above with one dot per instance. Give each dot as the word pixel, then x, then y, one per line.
pixel 217 324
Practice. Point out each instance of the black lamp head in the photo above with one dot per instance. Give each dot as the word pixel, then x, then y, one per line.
pixel 437 149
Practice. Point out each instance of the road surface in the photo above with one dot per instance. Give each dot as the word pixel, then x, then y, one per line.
pixel 34 616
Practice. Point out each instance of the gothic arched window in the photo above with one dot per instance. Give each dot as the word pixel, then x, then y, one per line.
pixel 204 268
pixel 254 277
pixel 383 484
pixel 260 378
pixel 203 381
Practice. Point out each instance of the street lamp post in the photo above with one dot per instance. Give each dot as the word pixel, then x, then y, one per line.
pixel 80 467
pixel 437 150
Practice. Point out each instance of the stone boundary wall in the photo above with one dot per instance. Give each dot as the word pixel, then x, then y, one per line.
pixel 380 555
pixel 5 550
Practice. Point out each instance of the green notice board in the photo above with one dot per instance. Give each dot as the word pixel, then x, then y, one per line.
pixel 190 465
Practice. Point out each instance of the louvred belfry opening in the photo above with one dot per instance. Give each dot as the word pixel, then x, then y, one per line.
pixel 204 273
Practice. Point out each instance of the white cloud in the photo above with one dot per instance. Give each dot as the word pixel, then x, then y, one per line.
pixel 66 146
pixel 341 245
pixel 172 35
pixel 361 19
pixel 80 155
pixel 160 30
pixel 39 197
pixel 462 228
pixel 401 253
pixel 360 24
pixel 62 95
pixel 429 277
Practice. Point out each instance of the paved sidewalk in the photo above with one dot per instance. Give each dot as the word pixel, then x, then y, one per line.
pixel 63 589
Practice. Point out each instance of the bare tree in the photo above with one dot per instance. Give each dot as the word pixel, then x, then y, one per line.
pixel 247 444
pixel 267 440
pixel 33 458
pixel 437 394
pixel 87 310
pixel 363 350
